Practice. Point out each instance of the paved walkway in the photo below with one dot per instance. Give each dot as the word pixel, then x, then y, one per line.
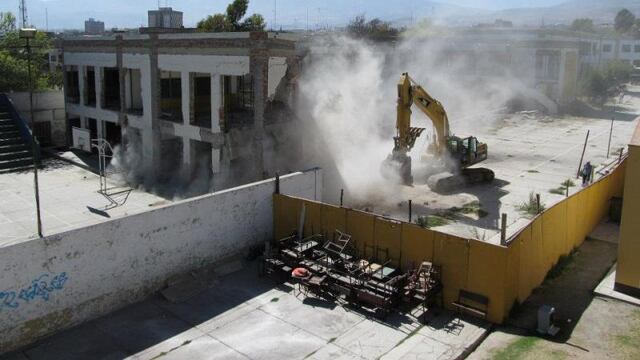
pixel 243 316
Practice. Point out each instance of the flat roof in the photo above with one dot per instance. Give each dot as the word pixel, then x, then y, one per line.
pixel 69 199
pixel 186 35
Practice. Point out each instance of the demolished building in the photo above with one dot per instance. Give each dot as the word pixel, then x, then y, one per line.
pixel 198 102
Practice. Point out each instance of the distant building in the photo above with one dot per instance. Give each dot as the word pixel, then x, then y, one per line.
pixel 93 27
pixel 165 17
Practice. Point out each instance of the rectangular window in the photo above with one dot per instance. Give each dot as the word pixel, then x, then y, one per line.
pixel 201 105
pixel 133 91
pixel 72 89
pixel 547 64
pixel 626 48
pixel 606 48
pixel 636 63
pixel 111 88
pixel 90 86
pixel 237 100
pixel 171 96
pixel 636 48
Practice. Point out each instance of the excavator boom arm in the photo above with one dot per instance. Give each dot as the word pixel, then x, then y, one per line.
pixel 409 93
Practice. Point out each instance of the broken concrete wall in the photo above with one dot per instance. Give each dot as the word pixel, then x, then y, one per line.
pixel 61 280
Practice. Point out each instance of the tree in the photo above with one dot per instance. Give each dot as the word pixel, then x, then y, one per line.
pixel 358 26
pixel 601 84
pixel 14 62
pixel 254 23
pixel 231 21
pixel 7 22
pixel 624 21
pixel 583 25
pixel 215 23
pixel 374 29
pixel 236 11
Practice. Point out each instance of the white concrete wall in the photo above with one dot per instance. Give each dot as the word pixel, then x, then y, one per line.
pixel 277 70
pixel 64 279
pixel 47 106
pixel 90 59
pixel 211 64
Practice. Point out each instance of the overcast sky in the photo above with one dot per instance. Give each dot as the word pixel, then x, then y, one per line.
pixel 132 13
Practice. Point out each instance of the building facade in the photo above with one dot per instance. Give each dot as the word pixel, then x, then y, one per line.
pixel 165 17
pixel 187 106
pixel 93 27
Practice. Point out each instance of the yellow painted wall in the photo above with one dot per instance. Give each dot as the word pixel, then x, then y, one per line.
pixel 628 269
pixel 556 232
pixel 466 263
pixel 503 274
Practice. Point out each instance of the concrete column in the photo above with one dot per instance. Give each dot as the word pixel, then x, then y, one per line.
pixel 186 97
pixel 81 82
pixel 259 68
pixel 188 159
pixel 215 161
pixel 216 102
pixel 127 90
pixel 151 133
pixel 98 75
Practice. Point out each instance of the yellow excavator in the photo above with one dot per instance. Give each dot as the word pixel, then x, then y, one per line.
pixel 463 151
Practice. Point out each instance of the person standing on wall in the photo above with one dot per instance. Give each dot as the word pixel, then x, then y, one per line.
pixel 586 173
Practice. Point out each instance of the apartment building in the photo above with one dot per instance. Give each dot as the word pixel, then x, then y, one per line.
pixel 165 17
pixel 93 27
pixel 190 105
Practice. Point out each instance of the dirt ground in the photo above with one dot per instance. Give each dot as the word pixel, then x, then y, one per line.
pixel 592 327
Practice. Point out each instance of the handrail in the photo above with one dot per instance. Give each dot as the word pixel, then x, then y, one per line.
pixel 23 127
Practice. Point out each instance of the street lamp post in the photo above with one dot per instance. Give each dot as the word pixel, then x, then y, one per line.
pixel 28 34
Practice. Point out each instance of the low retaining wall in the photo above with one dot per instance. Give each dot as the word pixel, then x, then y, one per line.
pixel 61 280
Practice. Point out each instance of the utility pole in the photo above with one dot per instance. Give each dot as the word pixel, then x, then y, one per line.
pixel 23 14
pixel 29 34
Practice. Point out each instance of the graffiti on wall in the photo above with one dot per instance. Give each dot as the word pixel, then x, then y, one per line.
pixel 39 289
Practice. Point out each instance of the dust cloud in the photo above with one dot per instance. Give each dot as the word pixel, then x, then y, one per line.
pixel 347 103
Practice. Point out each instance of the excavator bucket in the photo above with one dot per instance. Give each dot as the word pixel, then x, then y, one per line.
pixel 397 168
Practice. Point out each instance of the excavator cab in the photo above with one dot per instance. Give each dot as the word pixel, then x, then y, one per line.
pixel 467 150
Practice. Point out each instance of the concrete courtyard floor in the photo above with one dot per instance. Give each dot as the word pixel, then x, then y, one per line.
pixel 69 199
pixel 529 153
pixel 243 316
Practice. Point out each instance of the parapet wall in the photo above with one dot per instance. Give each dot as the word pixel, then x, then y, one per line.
pixel 504 274
pixel 61 280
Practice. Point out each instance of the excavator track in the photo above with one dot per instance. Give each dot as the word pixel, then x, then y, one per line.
pixel 447 182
